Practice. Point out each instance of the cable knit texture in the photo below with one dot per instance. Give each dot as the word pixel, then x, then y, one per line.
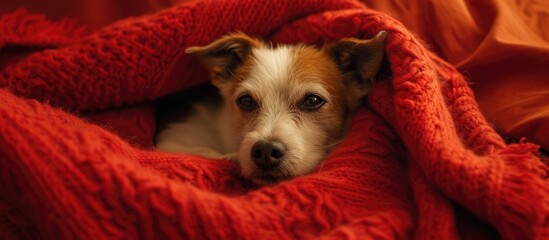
pixel 77 120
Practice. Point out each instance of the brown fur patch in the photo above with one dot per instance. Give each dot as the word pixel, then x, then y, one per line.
pixel 311 64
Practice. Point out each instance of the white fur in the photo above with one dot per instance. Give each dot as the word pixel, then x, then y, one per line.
pixel 207 132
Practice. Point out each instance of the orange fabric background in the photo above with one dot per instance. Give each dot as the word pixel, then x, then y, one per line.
pixel 502 46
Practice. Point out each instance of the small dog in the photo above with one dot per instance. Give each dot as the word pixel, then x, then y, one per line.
pixel 283 108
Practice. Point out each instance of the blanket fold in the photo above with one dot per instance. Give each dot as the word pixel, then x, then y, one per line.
pixel 76 125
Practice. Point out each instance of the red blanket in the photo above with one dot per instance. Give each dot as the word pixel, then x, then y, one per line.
pixel 77 119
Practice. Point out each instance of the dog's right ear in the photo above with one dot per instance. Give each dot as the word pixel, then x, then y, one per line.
pixel 224 55
pixel 359 60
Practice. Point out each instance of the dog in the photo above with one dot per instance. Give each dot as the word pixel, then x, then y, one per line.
pixel 281 109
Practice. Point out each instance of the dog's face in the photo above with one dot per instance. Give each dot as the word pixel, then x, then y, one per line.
pixel 290 104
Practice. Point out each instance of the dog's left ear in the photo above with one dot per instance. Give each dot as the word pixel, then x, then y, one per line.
pixel 224 55
pixel 359 61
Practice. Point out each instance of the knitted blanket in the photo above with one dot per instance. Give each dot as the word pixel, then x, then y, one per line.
pixel 77 121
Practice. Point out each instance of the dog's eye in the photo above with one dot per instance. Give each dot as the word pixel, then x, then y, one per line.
pixel 246 103
pixel 311 102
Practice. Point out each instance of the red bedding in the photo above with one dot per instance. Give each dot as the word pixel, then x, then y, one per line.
pixel 77 120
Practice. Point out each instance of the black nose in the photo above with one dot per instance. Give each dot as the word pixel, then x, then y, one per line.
pixel 268 154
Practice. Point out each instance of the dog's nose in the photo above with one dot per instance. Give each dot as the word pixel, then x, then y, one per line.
pixel 268 154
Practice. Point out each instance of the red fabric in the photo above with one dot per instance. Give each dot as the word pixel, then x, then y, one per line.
pixel 96 13
pixel 419 162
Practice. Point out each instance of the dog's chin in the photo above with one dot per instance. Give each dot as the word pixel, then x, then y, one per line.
pixel 265 181
pixel 266 178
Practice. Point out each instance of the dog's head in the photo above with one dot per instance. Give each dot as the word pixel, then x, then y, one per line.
pixel 290 104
